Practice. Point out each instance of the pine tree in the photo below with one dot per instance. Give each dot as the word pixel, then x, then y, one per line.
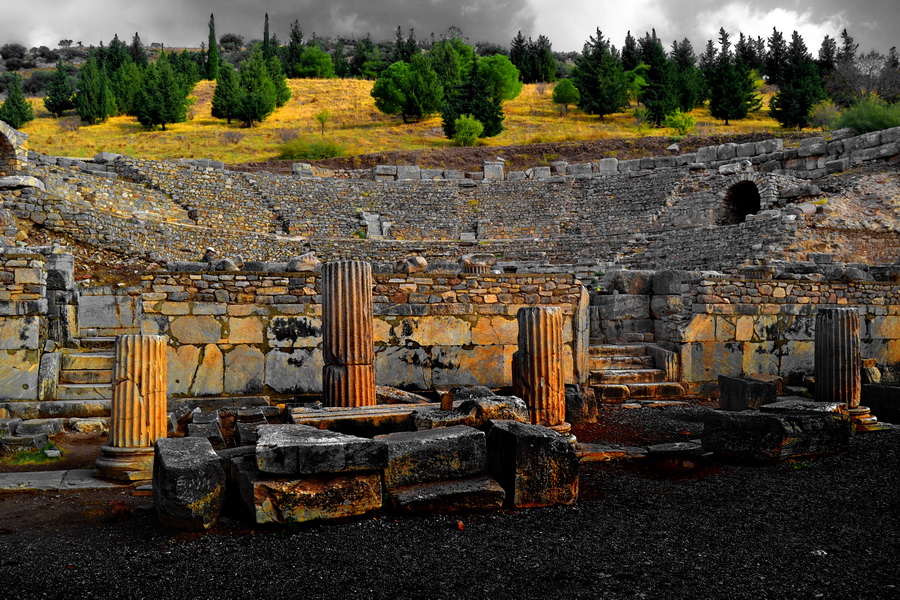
pixel 94 100
pixel 125 85
pixel 116 55
pixel 16 110
pixel 339 61
pixel 827 60
pixel 59 91
pixel 226 99
pixel 137 52
pixel 266 43
pixel 282 91
pixel 543 63
pixel 689 84
pixel 163 97
pixel 404 48
pixel 599 77
pixel 411 90
pixel 658 93
pixel 212 51
pixel 258 95
pixel 518 55
pixel 848 48
pixel 731 87
pixel 800 89
pixel 631 56
pixel 473 97
pixel 775 58
pixel 565 93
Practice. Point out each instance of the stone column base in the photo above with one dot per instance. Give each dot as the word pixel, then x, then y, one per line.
pixel 564 429
pixel 348 386
pixel 125 464
pixel 863 421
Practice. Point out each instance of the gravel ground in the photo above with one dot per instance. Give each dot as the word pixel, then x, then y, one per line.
pixel 816 528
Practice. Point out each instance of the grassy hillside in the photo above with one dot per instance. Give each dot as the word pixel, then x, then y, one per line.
pixel 354 123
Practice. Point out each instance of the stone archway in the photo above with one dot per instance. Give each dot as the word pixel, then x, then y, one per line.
pixel 745 194
pixel 13 152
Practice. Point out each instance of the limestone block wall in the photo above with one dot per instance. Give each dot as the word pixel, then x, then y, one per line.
pixel 735 326
pixel 252 333
pixel 13 150
pixel 23 322
pixel 105 312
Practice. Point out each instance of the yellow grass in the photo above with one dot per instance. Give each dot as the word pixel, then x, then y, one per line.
pixel 355 123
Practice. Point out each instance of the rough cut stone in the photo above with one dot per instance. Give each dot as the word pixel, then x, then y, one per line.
pixel 773 436
pixel 633 282
pixel 474 493
pixel 474 413
pixel 39 426
pixel 283 500
pixel 188 483
pixel 433 455
pixel 305 450
pixel 581 405
pixel 739 393
pixel 209 431
pixel 535 466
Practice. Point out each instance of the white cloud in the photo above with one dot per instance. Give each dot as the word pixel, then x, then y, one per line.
pixel 740 17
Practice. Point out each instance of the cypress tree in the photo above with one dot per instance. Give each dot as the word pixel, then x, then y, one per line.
pixel 266 44
pixel 658 93
pixel 59 91
pixel 599 77
pixel 258 95
pixel 163 98
pixel 137 52
pixel 16 110
pixel 212 52
pixel 226 100
pixel 731 87
pixel 94 100
pixel 125 84
pixel 473 97
pixel 800 88
pixel 293 52
pixel 276 73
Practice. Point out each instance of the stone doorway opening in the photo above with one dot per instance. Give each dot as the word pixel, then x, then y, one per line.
pixel 7 155
pixel 743 199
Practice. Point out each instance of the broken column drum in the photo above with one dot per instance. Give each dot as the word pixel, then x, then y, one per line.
pixel 838 362
pixel 538 367
pixel 138 412
pixel 348 323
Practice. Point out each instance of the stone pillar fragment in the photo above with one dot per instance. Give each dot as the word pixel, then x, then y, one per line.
pixel 138 414
pixel 348 324
pixel 477 263
pixel 838 364
pixel 537 366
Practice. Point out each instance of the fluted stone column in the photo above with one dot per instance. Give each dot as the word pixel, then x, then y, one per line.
pixel 538 367
pixel 138 413
pixel 477 263
pixel 838 363
pixel 348 378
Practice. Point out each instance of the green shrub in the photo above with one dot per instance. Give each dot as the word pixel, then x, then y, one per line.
pixel 870 114
pixel 824 114
pixel 310 149
pixel 467 130
pixel 681 122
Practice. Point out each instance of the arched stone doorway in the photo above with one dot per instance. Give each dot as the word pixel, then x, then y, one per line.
pixel 12 150
pixel 741 200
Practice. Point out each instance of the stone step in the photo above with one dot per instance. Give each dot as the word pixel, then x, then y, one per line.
pixel 599 363
pixel 86 376
pixel 84 391
pixel 47 409
pixel 617 350
pixel 97 343
pixel 617 393
pixel 84 361
pixel 627 376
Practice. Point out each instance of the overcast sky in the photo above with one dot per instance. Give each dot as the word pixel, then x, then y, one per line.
pixel 873 23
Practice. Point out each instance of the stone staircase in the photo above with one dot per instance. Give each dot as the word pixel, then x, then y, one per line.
pixel 626 372
pixel 86 372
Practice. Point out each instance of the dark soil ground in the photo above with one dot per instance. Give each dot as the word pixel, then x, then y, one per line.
pixel 815 528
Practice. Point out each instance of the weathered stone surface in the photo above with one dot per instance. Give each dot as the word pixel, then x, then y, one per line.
pixel 538 367
pixel 196 330
pixel 294 372
pixel 622 306
pixel 740 393
pixel 304 263
pixel 633 282
pixel 20 369
pixel 535 466
pixel 391 395
pixel 773 436
pixel 309 498
pixel 209 431
pixel 473 493
pixel 433 455
pixel 581 404
pixel 244 370
pixel 475 412
pixel 39 426
pixel 188 483
pixel 304 450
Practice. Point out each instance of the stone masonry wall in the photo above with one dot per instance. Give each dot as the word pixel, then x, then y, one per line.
pixel 23 322
pixel 251 333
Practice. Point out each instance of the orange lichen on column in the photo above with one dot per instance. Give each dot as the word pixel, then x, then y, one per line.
pixel 538 366
pixel 348 324
pixel 838 362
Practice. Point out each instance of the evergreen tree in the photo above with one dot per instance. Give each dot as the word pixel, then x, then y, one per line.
pixel 565 93
pixel 631 55
pixel 599 77
pixel 502 77
pixel 518 54
pixel 404 48
pixel 848 48
pixel 116 55
pixel 542 62
pixel 292 54
pixel 59 91
pixel 212 51
pixel 731 86
pixel 266 43
pixel 775 58
pixel 16 110
pixel 258 95
pixel 339 61
pixel 658 93
pixel 411 90
pixel 137 52
pixel 689 84
pixel 473 97
pixel 163 98
pixel 226 100
pixel 314 62
pixel 94 100
pixel 282 91
pixel 125 85
pixel 447 62
pixel 800 89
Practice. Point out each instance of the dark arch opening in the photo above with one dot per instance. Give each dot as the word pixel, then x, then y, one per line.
pixel 7 155
pixel 740 201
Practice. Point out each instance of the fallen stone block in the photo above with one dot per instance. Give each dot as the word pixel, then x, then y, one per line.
pixel 210 431
pixel 473 493
pixel 304 450
pixel 9 426
pixel 188 483
pixel 433 455
pixel 283 500
pixel 39 426
pixel 246 434
pixel 741 393
pixel 88 425
pixel 581 404
pixel 390 395
pixel 13 444
pixel 476 412
pixel 536 466
pixel 767 436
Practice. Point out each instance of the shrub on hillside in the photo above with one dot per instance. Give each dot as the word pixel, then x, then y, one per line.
pixel 467 130
pixel 824 114
pixel 870 114
pixel 681 122
pixel 310 149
